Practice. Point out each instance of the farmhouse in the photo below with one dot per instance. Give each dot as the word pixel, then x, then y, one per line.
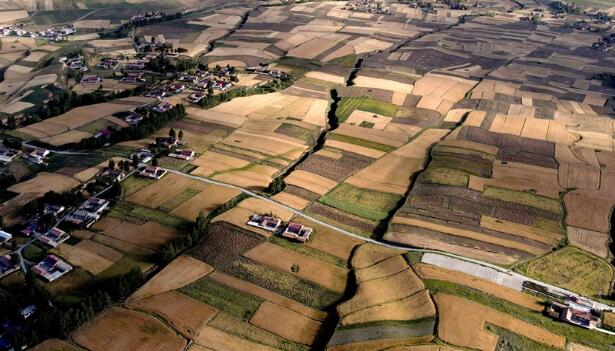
pixel 55 210
pixel 82 218
pixel 5 237
pixel 133 118
pixel 143 155
pixel 162 107
pixel 167 142
pixel 132 77
pixel 110 175
pixel 54 237
pixel 297 231
pixel 52 268
pixel 8 265
pixel 176 88
pixel 8 155
pixel 135 65
pixel 95 205
pixel 182 154
pixel 573 313
pixel 157 93
pixel 195 98
pixel 222 85
pixel 265 222
pixel 91 80
pixel 151 172
pixel 108 63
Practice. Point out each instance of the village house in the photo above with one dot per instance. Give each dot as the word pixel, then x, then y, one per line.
pixel 37 156
pixel 182 154
pixel 108 64
pixel 91 80
pixel 54 237
pixel 176 88
pixel 222 85
pixel 152 172
pixel 82 218
pixel 157 93
pixel 28 311
pixel 189 78
pixel 95 205
pixel 265 222
pixel 133 118
pixel 195 98
pixel 143 155
pixel 8 155
pixel 8 265
pixel 54 210
pixel 108 175
pixel 133 77
pixel 297 231
pixel 574 313
pixel 162 107
pixel 135 65
pixel 30 227
pixel 5 237
pixel 52 268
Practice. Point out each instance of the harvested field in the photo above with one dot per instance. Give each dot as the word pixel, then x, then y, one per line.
pixel 372 292
pixel 590 241
pixel 96 248
pixel 291 200
pixel 180 272
pixel 149 235
pixel 413 307
pixel 182 312
pixel 573 269
pixel 213 339
pixel 328 240
pixel 378 83
pixel 82 258
pixel 161 191
pixel 223 243
pixel 368 254
pixel 426 271
pixel 55 345
pixel 287 324
pixel 462 323
pixel 326 275
pixel 118 329
pixel 205 202
pixel 381 269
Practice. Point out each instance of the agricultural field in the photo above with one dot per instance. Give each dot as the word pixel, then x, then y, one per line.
pixel 454 161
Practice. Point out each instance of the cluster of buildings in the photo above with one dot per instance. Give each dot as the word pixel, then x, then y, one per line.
pixel 52 268
pixel 52 34
pixel 605 44
pixel 574 312
pixel 88 213
pixel 35 155
pixel 75 63
pixel 368 6
pixel 108 63
pixel 293 231
pixel 266 71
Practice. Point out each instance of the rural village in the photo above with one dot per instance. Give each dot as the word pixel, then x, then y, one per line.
pixel 412 175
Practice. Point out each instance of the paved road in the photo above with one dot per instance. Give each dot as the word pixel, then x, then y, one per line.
pixel 597 304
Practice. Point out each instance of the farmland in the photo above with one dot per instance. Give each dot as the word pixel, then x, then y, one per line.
pixel 356 175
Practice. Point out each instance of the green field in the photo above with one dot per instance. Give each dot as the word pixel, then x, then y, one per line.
pixel 173 202
pixel 308 251
pixel 138 214
pixel 134 183
pixel 514 342
pixel 360 142
pixel 348 104
pixel 366 203
pixel 523 198
pixel 224 298
pixel 573 269
pixel 446 176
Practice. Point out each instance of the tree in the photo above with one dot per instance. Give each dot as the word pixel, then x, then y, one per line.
pixel 111 164
pixel 155 162
pixel 180 136
pixel 172 133
pixel 126 166
pixel 120 165
pixel 135 161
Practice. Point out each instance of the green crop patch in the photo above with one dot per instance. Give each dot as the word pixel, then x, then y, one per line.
pixel 224 298
pixel 366 203
pixel 523 198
